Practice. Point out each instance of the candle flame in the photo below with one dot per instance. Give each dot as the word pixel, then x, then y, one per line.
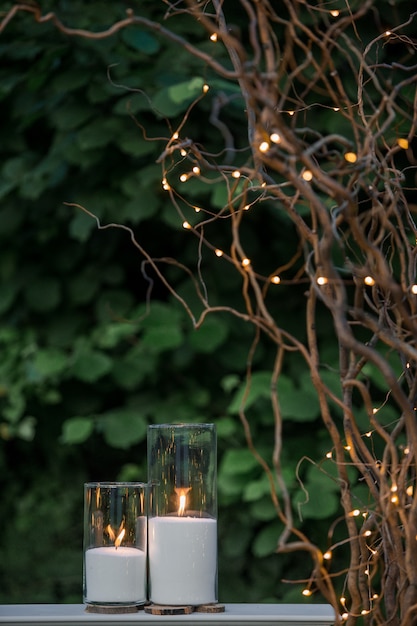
pixel 117 540
pixel 182 499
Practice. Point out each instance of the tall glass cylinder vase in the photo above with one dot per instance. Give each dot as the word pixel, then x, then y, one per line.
pixel 115 537
pixel 182 523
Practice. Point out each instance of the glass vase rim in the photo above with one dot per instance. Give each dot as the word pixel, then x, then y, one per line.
pixel 183 425
pixel 114 483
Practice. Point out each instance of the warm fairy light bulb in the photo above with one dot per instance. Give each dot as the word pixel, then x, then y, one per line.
pixel 329 455
pixel 175 136
pixel 354 513
pixel 275 138
pixel 368 434
pixel 186 225
pixel 291 113
pixel 213 37
pixel 367 533
pixel 414 289
pixel 196 170
pixel 245 262
pixel 403 143
pixel 236 174
pixel 336 109
pixel 406 450
pixel 410 490
pixel 165 184
pixel 387 33
pixel 394 488
pixel 307 175
pixel 351 157
pixel 375 411
pixel 322 280
pixel 395 499
pixel 197 209
pixel 307 592
pixel 206 88
pixel 183 152
pixel 348 448
pixel 275 279
pixel 327 555
pixel 335 13
pixel 246 207
pixel 368 280
pixel 184 178
pixel 365 611
pixel 264 146
pixel 218 252
pixel 342 601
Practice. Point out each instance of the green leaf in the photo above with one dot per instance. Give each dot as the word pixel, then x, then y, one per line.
pixel 140 40
pixel 91 365
pixel 266 540
pixel 237 461
pixel 210 335
pixel 81 226
pixel 77 429
pixel 71 116
pixel 49 362
pixel 186 91
pixel 123 428
pixel 260 387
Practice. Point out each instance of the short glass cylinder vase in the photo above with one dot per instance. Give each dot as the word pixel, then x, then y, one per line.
pixel 115 538
pixel 182 516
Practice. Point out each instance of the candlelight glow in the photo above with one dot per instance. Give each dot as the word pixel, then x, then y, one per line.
pixel 182 499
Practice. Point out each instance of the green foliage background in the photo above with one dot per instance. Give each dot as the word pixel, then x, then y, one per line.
pixel 86 361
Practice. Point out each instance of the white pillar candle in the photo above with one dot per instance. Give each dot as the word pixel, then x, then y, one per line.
pixel 115 575
pixel 182 560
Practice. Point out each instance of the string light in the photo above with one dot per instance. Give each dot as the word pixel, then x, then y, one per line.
pixel 368 280
pixel 403 143
pixel 275 279
pixel 335 13
pixel 264 146
pixel 348 448
pixel 388 33
pixel 196 170
pixel 183 152
pixel 329 455
pixel 184 178
pixel 174 136
pixel 186 225
pixel 165 184
pixel 327 555
pixel 236 174
pixel 322 280
pixel 291 113
pixel 213 37
pixel 218 252
pixel 307 175
pixel 367 533
pixel 414 289
pixel 275 138
pixel 351 157
pixel 307 592
pixel 245 262
pixel 354 513
pixel 410 490
pixel 246 207
pixel 206 88
pixel 336 109
pixel 368 434
pixel 197 209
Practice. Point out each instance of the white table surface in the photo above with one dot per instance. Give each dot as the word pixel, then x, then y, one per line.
pixel 247 614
